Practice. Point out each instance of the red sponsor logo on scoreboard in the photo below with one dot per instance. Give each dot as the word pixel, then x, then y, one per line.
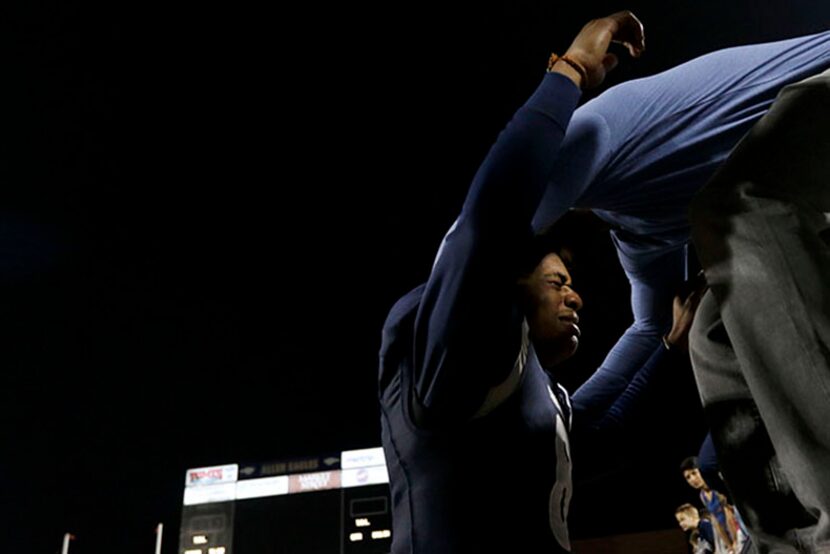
pixel 202 475
pixel 307 482
pixel 210 475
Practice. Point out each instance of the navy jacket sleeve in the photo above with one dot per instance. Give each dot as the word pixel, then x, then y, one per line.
pixel 634 400
pixel 467 328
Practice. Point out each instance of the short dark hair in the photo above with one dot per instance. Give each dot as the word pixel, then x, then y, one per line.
pixel 542 244
pixel 689 463
pixel 560 238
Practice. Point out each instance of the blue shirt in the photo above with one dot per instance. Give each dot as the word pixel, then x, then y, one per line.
pixel 638 153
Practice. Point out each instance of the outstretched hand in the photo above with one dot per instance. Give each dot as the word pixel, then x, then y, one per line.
pixel 590 47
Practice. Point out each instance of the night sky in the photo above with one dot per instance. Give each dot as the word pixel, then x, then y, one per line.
pixel 207 210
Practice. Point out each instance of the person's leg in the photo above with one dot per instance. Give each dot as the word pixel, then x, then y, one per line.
pixel 759 228
pixel 745 455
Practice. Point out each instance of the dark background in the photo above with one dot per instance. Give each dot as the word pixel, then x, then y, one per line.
pixel 206 211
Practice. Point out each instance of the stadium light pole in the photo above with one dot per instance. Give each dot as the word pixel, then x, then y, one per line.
pixel 66 538
pixel 159 531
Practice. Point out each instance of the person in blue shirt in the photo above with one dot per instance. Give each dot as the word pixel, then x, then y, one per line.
pixel 474 430
pixel 637 155
pixel 716 504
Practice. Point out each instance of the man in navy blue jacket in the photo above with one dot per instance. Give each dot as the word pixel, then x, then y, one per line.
pixel 474 429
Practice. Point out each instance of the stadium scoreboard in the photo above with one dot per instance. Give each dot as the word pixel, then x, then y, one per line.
pixel 332 504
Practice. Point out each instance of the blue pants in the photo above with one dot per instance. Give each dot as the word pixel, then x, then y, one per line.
pixel 760 343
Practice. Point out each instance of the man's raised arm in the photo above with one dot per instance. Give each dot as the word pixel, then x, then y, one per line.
pixel 467 330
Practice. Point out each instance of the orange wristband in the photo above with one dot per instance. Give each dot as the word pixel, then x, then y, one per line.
pixel 574 64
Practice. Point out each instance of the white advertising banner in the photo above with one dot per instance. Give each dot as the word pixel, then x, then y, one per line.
pixel 366 457
pixel 259 488
pixel 221 483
